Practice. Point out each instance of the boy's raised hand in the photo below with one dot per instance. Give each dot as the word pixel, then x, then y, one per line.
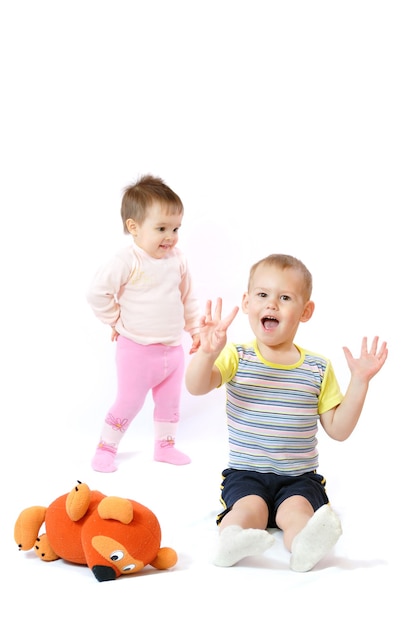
pixel 369 362
pixel 213 329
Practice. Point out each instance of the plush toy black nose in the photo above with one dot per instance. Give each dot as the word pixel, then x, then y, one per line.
pixel 103 573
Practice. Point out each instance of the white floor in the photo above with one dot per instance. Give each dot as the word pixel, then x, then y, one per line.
pixel 367 577
pixel 284 127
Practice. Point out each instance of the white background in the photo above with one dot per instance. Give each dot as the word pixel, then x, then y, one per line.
pixel 284 127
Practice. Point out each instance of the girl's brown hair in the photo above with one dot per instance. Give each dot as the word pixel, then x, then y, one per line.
pixel 137 198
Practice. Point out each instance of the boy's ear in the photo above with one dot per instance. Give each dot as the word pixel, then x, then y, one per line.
pixel 308 311
pixel 244 303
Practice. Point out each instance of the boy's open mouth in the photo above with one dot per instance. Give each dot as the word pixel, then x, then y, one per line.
pixel 269 322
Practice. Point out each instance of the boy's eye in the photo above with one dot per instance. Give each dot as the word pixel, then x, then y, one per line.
pixel 262 294
pixel 285 298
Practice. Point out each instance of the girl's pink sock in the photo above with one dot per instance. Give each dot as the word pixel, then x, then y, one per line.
pixel 165 452
pixel 104 459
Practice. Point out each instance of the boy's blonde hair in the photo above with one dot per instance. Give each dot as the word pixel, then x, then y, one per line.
pixel 285 261
pixel 137 198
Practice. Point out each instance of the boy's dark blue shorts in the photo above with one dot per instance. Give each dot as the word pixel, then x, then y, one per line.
pixel 273 488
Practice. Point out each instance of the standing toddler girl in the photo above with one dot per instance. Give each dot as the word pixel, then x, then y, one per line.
pixel 145 295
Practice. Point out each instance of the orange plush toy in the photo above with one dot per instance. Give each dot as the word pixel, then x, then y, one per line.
pixel 113 536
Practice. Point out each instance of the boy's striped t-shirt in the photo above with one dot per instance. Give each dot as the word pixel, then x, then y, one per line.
pixel 273 410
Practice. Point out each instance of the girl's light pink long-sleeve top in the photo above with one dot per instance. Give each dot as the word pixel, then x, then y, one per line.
pixel 146 300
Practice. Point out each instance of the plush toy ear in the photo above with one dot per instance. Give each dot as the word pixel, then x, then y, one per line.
pixel 120 509
pixel 166 558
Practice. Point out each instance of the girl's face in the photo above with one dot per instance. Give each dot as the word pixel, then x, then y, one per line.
pixel 275 305
pixel 158 234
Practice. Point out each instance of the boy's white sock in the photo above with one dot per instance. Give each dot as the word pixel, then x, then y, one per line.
pixel 315 540
pixel 235 543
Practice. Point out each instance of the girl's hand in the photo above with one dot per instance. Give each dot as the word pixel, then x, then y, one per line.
pixel 196 342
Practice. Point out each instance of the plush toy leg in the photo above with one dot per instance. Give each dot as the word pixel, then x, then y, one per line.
pixel 315 540
pixel 77 501
pixel 166 558
pixel 43 549
pixel 27 526
pixel 235 543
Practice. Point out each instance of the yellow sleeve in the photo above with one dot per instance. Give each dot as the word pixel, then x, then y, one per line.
pixel 330 395
pixel 227 363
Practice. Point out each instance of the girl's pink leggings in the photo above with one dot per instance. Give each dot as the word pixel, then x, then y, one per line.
pixel 140 369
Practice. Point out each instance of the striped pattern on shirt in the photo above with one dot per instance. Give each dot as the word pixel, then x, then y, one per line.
pixel 273 410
